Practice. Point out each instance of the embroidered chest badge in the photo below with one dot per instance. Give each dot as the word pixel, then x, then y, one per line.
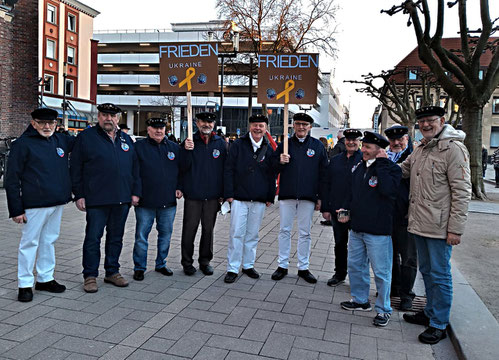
pixel 310 152
pixel 373 181
pixel 216 153
pixel 60 152
pixel 171 155
pixel 125 146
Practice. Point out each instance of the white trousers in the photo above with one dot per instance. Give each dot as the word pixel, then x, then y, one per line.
pixel 303 210
pixel 245 220
pixel 39 235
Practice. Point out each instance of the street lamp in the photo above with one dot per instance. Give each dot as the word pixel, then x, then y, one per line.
pixel 64 76
pixel 235 45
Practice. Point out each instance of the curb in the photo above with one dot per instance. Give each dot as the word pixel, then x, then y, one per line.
pixel 473 330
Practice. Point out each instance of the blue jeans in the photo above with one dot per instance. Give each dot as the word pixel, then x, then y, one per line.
pixel 434 265
pixel 164 224
pixel 113 219
pixel 377 249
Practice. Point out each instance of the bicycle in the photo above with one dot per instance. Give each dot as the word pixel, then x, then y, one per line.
pixel 5 144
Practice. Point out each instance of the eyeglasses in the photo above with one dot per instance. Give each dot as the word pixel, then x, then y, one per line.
pixel 428 121
pixel 302 124
pixel 45 122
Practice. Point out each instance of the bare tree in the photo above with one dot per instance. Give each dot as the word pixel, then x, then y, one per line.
pixel 278 26
pixel 283 25
pixel 170 102
pixel 401 98
pixel 471 91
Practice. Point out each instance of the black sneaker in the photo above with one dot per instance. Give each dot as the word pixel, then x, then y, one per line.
pixel 279 273
pixel 230 277
pixel 352 305
pixel 335 280
pixel 307 276
pixel 50 286
pixel 189 270
pixel 165 271
pixel 432 336
pixel 381 319
pixel 138 275
pixel 418 318
pixel 206 269
pixel 252 273
pixel 25 295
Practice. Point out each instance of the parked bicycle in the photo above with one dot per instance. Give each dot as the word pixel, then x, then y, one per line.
pixel 5 144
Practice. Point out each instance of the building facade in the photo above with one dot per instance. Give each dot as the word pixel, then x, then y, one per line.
pixel 18 65
pixel 67 61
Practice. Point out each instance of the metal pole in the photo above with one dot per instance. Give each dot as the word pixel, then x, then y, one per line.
pixel 64 75
pixel 250 94
pixel 138 117
pixel 222 94
pixel 42 91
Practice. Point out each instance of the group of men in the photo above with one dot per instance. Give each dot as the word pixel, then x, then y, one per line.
pixel 391 208
pixel 361 191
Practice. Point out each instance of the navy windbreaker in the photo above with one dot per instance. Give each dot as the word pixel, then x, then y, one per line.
pixel 373 192
pixel 38 171
pixel 301 178
pixel 336 184
pixel 202 169
pixel 249 175
pixel 104 171
pixel 159 170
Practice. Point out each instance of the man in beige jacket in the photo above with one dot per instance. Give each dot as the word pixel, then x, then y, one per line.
pixel 440 191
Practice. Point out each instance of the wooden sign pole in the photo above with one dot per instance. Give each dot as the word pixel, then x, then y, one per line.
pixel 189 115
pixel 286 125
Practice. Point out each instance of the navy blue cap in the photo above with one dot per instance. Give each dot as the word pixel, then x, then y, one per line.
pixel 124 127
pixel 303 117
pixel 396 131
pixel 156 122
pixel 44 114
pixel 374 138
pixel 108 108
pixel 352 133
pixel 206 116
pixel 429 111
pixel 258 118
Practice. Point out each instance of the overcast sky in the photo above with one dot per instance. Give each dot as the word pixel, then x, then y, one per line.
pixel 367 40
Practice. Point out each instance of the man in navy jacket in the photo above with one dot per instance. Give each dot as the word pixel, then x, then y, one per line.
pixel 202 170
pixel 302 172
pixel 103 172
pixel 374 189
pixel 159 162
pixel 38 185
pixel 337 184
pixel 249 185
pixel 405 255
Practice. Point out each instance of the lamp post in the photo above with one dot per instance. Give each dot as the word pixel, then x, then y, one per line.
pixel 64 105
pixel 138 117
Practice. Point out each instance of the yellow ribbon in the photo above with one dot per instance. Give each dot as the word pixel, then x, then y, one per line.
pixel 290 85
pixel 189 74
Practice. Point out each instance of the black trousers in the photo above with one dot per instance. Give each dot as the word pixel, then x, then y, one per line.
pixel 340 232
pixel 497 176
pixel 194 212
pixel 405 262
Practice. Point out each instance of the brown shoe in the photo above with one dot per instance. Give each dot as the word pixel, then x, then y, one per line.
pixel 90 285
pixel 116 280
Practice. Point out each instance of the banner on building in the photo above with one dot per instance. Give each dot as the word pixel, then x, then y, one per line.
pixel 285 78
pixel 188 67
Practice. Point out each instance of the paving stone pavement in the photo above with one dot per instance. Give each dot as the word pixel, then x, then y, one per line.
pixel 198 317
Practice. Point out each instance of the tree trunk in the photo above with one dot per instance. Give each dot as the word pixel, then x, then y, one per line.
pixel 472 126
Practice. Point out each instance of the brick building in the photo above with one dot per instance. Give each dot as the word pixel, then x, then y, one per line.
pixel 18 65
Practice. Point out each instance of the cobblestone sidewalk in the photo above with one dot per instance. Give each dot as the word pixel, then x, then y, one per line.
pixel 197 317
